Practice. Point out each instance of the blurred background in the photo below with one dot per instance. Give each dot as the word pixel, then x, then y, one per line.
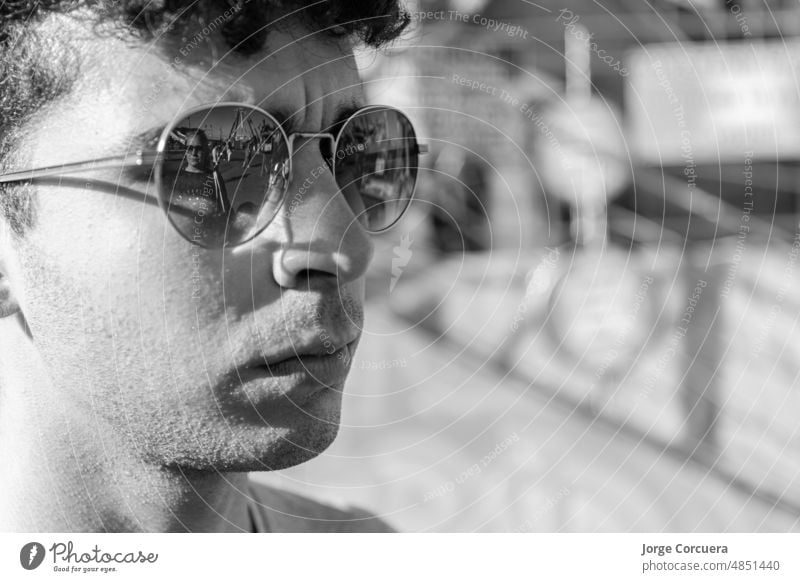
pixel 588 320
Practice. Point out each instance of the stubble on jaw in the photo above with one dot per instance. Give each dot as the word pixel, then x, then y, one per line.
pixel 135 407
pixel 231 446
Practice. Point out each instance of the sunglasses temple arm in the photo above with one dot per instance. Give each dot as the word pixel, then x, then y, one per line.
pixel 140 159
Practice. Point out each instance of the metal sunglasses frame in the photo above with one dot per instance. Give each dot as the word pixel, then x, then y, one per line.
pixel 148 158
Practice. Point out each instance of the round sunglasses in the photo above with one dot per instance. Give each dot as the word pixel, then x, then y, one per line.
pixel 222 172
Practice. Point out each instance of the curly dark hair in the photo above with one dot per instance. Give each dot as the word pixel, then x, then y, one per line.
pixel 36 69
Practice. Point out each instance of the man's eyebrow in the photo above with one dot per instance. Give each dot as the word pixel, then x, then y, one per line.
pixel 284 116
pixel 148 139
pixel 346 110
pixel 288 119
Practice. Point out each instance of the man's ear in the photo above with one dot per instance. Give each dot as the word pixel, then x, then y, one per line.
pixel 8 300
pixel 9 304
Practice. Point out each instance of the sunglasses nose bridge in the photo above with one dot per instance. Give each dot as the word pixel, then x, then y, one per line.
pixel 306 138
pixel 296 151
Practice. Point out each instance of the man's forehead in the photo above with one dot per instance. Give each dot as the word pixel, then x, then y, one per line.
pixel 129 93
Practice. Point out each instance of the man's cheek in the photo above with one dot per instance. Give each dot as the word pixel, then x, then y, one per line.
pixel 85 219
pixel 83 319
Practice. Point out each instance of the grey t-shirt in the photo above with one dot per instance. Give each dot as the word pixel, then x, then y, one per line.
pixel 275 510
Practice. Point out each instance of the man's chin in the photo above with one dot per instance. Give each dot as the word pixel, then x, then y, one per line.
pixel 296 448
pixel 273 438
pixel 257 450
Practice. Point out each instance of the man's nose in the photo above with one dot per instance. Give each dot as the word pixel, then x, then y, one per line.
pixel 319 232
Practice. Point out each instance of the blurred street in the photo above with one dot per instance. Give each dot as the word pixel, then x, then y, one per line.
pixel 440 434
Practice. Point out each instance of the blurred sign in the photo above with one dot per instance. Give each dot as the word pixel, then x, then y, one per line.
pixel 693 102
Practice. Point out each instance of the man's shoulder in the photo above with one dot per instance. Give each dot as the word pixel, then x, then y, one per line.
pixel 279 510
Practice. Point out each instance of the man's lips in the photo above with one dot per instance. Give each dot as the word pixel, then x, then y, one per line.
pixel 324 346
pixel 323 361
pixel 328 369
pixel 301 378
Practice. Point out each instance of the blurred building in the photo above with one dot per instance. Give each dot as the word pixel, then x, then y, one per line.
pixel 482 76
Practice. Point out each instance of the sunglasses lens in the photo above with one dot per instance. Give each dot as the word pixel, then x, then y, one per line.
pixel 376 165
pixel 223 174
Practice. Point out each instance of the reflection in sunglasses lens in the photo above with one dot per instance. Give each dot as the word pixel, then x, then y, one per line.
pixel 223 174
pixel 376 165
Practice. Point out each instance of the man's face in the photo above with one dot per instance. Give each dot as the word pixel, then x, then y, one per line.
pixel 158 345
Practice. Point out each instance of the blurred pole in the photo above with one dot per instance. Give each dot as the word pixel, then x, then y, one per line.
pixel 700 390
pixel 588 222
pixel 579 69
pixel 588 212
